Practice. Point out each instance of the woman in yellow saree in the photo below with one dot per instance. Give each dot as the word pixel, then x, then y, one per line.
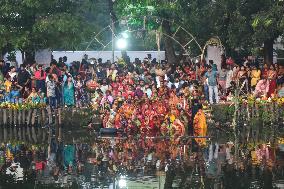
pixel 200 127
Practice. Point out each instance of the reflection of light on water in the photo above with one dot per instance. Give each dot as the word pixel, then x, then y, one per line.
pixel 86 185
pixel 122 183
pixel 255 185
pixel 196 179
pixel 279 184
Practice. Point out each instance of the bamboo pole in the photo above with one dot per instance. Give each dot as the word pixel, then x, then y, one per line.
pixel 277 121
pixel 60 125
pixel 254 117
pixel 39 119
pixel 28 125
pixel 234 123
pixel 43 124
pixel 49 128
pixel 56 125
pixel 249 116
pixel 257 127
pixel 5 124
pixel 1 126
pixel 24 125
pixel 15 124
pixel 272 122
pixel 10 124
pixel 244 119
pixel 20 125
pixel 33 125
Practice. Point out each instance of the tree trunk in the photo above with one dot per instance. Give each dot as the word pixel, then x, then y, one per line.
pixel 23 56
pixel 268 51
pixel 29 57
pixel 3 51
pixel 170 51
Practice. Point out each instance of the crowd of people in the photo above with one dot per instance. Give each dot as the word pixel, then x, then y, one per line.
pixel 64 84
pixel 142 97
pixel 57 84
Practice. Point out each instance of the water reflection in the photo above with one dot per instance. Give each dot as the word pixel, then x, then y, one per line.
pixel 105 162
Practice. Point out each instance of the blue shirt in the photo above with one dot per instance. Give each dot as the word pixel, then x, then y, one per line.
pixel 212 78
pixel 281 92
pixel 149 93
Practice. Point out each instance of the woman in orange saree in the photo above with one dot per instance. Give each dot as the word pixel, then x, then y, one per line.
pixel 200 127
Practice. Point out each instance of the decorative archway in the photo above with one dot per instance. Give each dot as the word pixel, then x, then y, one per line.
pixel 185 44
pixel 215 41
pixel 215 50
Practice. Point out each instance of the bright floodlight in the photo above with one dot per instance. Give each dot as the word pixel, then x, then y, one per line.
pixel 124 35
pixel 121 43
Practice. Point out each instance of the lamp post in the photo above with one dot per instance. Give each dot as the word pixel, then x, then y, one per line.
pixel 112 40
pixel 112 19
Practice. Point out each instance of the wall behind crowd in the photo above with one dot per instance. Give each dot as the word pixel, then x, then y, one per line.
pixel 43 56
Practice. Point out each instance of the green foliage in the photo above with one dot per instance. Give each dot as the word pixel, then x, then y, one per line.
pixel 247 24
pixel 241 25
pixel 223 113
pixel 29 25
pixel 263 125
pixel 267 23
pixel 75 119
pixel 146 16
pixel 11 56
pixel 68 24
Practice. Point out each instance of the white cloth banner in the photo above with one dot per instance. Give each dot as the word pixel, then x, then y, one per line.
pixel 214 53
pixel 43 57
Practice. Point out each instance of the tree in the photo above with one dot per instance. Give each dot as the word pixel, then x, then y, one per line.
pixel 29 25
pixel 244 25
pixel 268 25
